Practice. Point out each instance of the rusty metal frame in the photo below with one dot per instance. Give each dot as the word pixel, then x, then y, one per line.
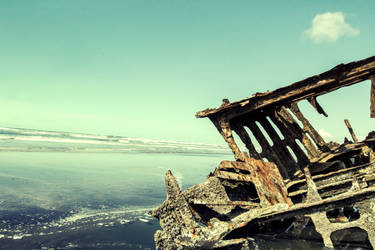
pixel 298 174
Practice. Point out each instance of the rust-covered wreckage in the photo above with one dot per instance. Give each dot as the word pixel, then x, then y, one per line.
pixel 297 186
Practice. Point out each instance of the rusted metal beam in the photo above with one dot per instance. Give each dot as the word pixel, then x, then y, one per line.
pixel 312 100
pixel 223 126
pixel 232 176
pixel 260 188
pixel 347 123
pixel 281 145
pixel 291 131
pixel 337 172
pixel 269 153
pixel 372 98
pixel 340 76
pixel 245 138
pixel 265 176
pixel 284 212
pixel 312 190
pixel 232 203
pixel 307 127
pixel 268 182
pixel 349 180
pixel 321 205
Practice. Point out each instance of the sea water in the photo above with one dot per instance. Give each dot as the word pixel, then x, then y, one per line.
pixel 88 200
pixel 58 200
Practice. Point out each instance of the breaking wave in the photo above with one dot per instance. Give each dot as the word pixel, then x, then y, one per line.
pixel 17 139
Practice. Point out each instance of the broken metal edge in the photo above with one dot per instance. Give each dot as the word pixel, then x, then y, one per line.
pixel 352 69
pixel 296 176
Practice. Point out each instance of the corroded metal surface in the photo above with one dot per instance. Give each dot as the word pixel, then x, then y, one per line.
pixel 340 76
pixel 296 185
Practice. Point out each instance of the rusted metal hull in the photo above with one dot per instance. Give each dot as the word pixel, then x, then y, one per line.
pixel 295 186
pixel 213 214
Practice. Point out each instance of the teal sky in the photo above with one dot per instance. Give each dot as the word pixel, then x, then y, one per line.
pixel 143 68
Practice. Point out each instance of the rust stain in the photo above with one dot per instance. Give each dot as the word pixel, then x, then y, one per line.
pixel 303 177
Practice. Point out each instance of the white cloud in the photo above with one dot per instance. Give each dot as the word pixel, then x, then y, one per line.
pixel 329 27
pixel 361 137
pixel 324 133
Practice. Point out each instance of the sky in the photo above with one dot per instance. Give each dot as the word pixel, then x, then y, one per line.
pixel 144 68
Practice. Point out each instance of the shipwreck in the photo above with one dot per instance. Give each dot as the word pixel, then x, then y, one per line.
pixel 296 186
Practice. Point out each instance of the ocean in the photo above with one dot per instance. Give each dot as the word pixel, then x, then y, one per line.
pixel 62 190
pixel 59 200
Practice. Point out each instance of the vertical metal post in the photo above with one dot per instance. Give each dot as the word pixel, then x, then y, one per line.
pixel 372 98
pixel 347 123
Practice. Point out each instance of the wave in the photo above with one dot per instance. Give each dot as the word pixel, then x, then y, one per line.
pixel 78 220
pixel 26 140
